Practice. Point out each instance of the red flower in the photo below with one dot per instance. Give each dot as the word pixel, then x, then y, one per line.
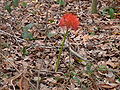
pixel 70 21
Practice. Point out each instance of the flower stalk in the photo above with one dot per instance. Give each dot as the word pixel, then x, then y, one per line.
pixel 60 51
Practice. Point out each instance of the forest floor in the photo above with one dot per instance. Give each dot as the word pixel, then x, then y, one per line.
pixel 30 39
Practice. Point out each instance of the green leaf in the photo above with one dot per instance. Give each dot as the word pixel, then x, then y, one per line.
pixel 51 21
pixel 92 33
pixel 102 68
pixel 73 74
pixel 27 27
pixel 89 65
pixel 24 4
pixel 66 74
pixel 61 2
pixel 24 51
pixel 51 35
pixel 27 35
pixel 80 60
pixel 15 3
pixel 119 79
pixel 105 11
pixel 77 79
pixel 89 69
pixel 111 13
pixel 8 6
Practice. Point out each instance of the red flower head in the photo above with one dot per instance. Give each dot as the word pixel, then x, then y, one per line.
pixel 70 21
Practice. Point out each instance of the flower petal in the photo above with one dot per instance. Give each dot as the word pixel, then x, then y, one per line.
pixel 70 21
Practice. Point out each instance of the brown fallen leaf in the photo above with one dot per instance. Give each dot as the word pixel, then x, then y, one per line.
pixel 3 27
pixel 113 65
pixel 108 86
pixel 24 84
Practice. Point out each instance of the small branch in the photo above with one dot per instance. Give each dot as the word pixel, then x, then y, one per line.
pixel 8 34
pixel 16 69
pixel 75 53
pixel 0 49
pixel 46 24
pixel 58 47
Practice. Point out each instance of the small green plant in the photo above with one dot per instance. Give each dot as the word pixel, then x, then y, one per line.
pixel 10 4
pixel 73 75
pixel 15 3
pixel 91 33
pixel 89 69
pixel 61 2
pixel 110 11
pixel 26 34
pixel 102 68
pixel 119 79
pixel 28 26
pixel 25 51
pixel 24 4
pixel 51 21
pixel 51 35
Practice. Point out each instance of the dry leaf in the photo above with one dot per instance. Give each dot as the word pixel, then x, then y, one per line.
pixel 113 65
pixel 34 0
pixel 86 38
pixel 108 86
pixel 24 84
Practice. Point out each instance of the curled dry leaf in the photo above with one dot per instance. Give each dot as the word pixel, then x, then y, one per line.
pixel 23 84
pixel 3 27
pixel 112 64
pixel 108 86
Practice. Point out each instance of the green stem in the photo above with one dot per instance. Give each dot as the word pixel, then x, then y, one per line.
pixel 94 6
pixel 60 51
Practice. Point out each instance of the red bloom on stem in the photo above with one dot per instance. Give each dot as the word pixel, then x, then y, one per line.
pixel 69 20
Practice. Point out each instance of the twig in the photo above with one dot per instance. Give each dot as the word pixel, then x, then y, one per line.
pixel 8 34
pixel 66 46
pixel 10 62
pixel 75 53
pixel 0 49
pixel 38 81
pixel 45 71
pixel 46 25
pixel 16 69
pixel 15 77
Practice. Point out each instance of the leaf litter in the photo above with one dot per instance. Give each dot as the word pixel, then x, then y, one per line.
pixel 97 39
